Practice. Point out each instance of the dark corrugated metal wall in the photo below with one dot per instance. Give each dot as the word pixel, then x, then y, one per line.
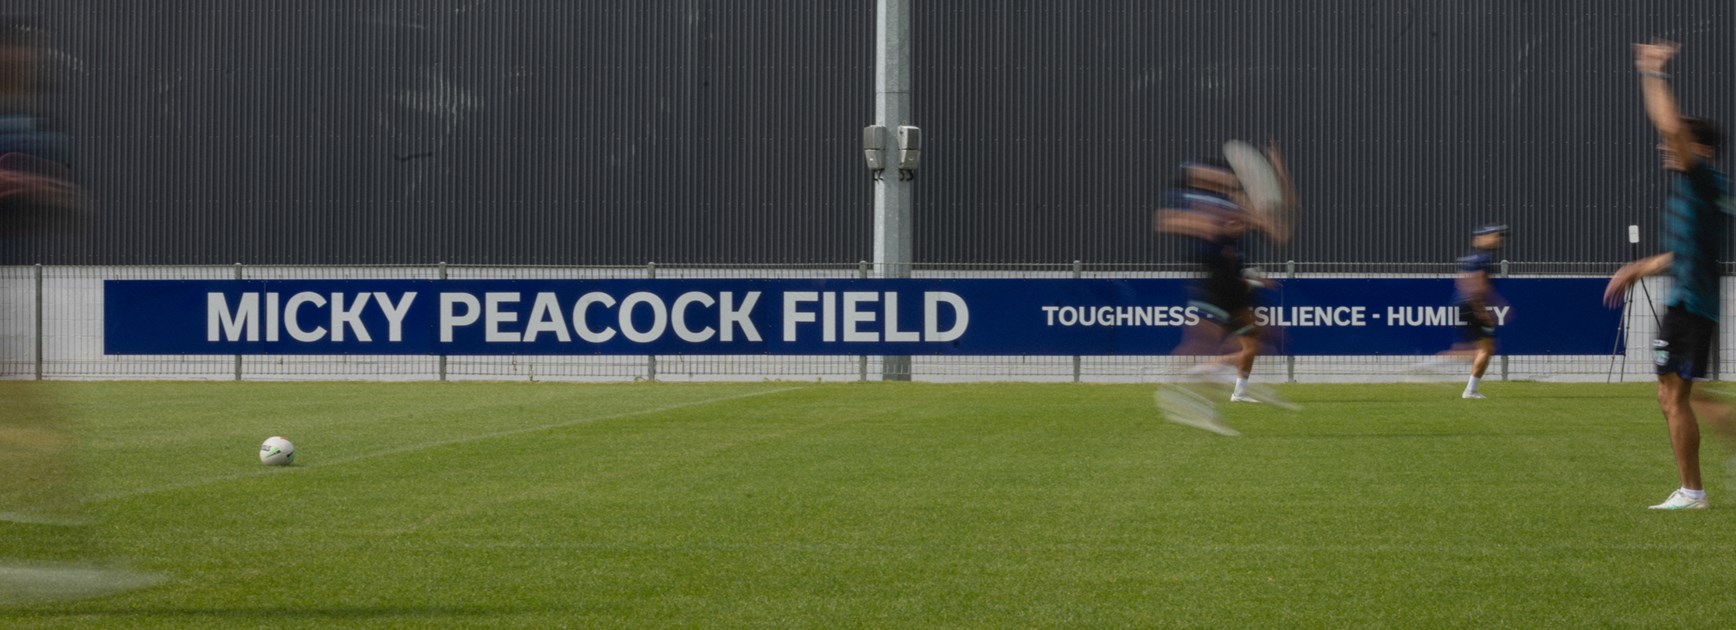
pixel 554 132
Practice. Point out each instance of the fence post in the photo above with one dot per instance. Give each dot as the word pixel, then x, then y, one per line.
pixel 442 357
pixel 1078 271
pixel 38 317
pixel 862 359
pixel 237 357
pixel 1504 272
pixel 1289 359
pixel 651 359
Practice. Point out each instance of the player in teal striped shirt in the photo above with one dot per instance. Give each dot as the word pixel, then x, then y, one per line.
pixel 1693 238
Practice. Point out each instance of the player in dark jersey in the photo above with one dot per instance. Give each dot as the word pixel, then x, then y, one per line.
pixel 1475 288
pixel 1693 237
pixel 1208 209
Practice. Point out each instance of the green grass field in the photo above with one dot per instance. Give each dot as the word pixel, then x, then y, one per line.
pixel 884 505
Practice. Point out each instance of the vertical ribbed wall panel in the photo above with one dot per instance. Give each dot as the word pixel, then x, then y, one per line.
pixel 1057 125
pixel 706 131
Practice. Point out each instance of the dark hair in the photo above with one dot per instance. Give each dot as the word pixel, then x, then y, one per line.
pixel 1217 163
pixel 1705 132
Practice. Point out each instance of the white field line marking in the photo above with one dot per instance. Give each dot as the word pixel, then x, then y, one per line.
pixel 428 445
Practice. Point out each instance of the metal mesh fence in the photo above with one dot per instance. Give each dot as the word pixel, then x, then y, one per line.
pixel 51 327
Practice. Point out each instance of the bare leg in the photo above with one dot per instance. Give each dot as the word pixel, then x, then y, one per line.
pixel 1714 414
pixel 1245 358
pixel 35 459
pixel 1674 398
pixel 1480 361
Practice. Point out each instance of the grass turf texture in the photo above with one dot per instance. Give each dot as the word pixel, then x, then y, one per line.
pixel 886 505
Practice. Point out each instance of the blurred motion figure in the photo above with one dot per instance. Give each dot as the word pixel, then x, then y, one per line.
pixel 1208 208
pixel 1475 291
pixel 34 166
pixel 49 550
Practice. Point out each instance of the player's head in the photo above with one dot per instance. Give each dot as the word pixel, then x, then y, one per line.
pixel 1489 237
pixel 1215 176
pixel 1705 139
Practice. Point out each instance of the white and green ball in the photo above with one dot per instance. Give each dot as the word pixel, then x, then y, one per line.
pixel 276 451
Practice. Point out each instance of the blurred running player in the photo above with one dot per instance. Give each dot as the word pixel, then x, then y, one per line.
pixel 1475 287
pixel 49 550
pixel 1208 209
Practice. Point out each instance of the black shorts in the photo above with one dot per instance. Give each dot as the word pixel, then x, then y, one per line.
pixel 1227 303
pixel 1475 329
pixel 1684 344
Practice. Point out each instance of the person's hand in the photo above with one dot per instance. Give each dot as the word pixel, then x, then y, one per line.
pixel 1618 286
pixel 35 188
pixel 1652 57
pixel 1273 156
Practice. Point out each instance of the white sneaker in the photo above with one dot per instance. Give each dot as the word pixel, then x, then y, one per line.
pixel 1186 408
pixel 1680 501
pixel 1258 393
pixel 1473 395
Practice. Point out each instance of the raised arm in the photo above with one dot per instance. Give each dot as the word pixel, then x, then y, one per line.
pixel 1292 203
pixel 1650 59
pixel 1185 223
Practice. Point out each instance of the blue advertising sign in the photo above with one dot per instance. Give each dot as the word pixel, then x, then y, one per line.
pixel 818 317
pixel 1533 316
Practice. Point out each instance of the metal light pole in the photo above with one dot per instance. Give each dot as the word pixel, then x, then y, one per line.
pixel 893 195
